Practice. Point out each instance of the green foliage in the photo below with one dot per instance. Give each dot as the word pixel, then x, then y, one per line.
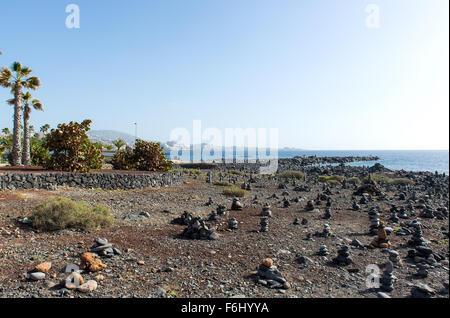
pixel 234 191
pixel 354 180
pixel 292 174
pixel 119 143
pixel 331 179
pixel 57 213
pixel 124 160
pixel 401 181
pixel 223 183
pixel 71 149
pixel 235 172
pixel 379 178
pixel 38 150
pixel 146 156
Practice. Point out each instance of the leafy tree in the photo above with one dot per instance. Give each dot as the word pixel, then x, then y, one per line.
pixel 17 78
pixel 71 149
pixel 119 143
pixel 147 156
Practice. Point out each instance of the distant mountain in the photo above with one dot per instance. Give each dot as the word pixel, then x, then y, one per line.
pixel 108 136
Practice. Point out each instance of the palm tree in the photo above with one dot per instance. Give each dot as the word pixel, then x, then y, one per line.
pixel 17 81
pixel 36 104
pixel 119 143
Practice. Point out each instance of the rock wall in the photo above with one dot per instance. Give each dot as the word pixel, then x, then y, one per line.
pixel 107 181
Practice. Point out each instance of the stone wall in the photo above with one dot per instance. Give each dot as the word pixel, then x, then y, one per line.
pixel 107 181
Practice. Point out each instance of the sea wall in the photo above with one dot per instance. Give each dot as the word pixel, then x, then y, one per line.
pixel 106 181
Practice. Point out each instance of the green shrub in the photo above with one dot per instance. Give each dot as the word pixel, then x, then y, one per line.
pixel 223 183
pixel 235 172
pixel 71 149
pixel 292 174
pixel 234 191
pixel 57 213
pixel 146 156
pixel 192 172
pixel 331 179
pixel 379 178
pixel 354 180
pixel 402 181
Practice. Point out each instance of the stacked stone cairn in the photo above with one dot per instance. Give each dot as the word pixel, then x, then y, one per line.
pixel 310 206
pixel 323 251
pixel 394 218
pixel 198 230
pixel 374 220
pixel 264 223
pixel 387 278
pixel 286 203
pixel 236 205
pixel 402 214
pixel 343 257
pixel 268 275
pixel 102 247
pixel 356 206
pixel 327 213
pixel 428 212
pixel 232 224
pixel 221 209
pixel 184 219
pixel 266 211
pixel 417 238
pixel 394 257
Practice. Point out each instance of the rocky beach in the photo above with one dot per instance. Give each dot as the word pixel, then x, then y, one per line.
pixel 309 230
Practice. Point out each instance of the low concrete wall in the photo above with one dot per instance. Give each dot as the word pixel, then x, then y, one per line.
pixel 107 181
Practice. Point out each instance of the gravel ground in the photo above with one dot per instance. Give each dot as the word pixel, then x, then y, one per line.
pixel 157 262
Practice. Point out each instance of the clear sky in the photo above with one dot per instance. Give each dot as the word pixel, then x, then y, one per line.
pixel 312 69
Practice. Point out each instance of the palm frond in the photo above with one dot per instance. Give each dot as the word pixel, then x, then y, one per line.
pixel 5 77
pixel 32 83
pixel 37 104
pixel 16 67
pixel 26 97
pixel 25 71
pixel 11 101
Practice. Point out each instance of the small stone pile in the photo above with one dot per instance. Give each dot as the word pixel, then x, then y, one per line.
pixel 198 230
pixel 264 223
pixel 394 218
pixel 356 206
pixel 327 213
pixel 403 214
pixel 213 216
pixel 374 220
pixel 428 213
pixel 381 240
pixel 39 271
pixel 323 251
pixel 425 255
pixel 268 275
pixel 76 282
pixel 387 278
pixel 310 205
pixel 266 211
pixel 286 203
pixel 221 209
pixel 394 257
pixel 343 257
pixel 184 219
pixel 102 247
pixel 232 224
pixel 326 232
pixel 417 238
pixel 210 202
pixel 236 205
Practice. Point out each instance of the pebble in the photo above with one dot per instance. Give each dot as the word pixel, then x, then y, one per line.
pixel 37 276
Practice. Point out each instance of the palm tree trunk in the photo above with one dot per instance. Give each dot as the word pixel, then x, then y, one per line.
pixel 16 149
pixel 26 158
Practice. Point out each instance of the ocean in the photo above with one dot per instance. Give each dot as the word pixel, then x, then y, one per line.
pixel 408 160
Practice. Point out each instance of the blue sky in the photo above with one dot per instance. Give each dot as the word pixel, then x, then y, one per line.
pixel 312 69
